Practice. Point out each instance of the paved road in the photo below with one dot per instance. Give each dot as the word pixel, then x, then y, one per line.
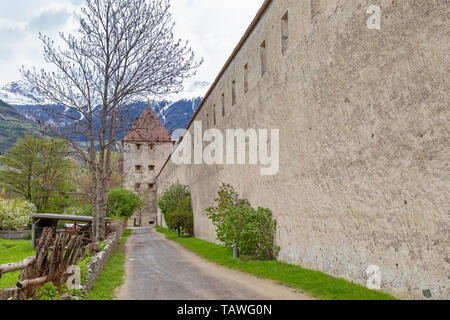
pixel 159 269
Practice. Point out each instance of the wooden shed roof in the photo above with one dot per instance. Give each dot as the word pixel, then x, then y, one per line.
pixel 51 216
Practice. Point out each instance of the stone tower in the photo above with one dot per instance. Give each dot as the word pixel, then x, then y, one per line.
pixel 145 149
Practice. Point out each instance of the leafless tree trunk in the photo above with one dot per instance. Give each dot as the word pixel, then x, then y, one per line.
pixel 125 52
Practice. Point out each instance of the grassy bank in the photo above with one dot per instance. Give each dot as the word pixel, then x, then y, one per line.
pixel 103 289
pixel 13 251
pixel 112 276
pixel 315 283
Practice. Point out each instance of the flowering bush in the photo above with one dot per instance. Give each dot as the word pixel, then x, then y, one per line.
pixel 238 224
pixel 14 214
pixel 73 211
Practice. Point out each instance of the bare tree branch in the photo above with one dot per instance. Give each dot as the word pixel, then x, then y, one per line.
pixel 125 51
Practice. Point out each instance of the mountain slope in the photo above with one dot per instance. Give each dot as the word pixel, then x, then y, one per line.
pixel 175 113
pixel 13 126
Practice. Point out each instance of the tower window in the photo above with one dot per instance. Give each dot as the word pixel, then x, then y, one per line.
pixel 151 168
pixel 263 58
pixel 138 168
pixel 246 78
pixel 233 92
pixel 223 104
pixel 138 147
pixel 285 33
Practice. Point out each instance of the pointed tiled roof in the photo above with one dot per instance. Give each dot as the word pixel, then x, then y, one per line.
pixel 148 128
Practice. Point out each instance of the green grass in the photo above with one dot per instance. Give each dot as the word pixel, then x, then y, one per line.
pixel 316 284
pixel 13 251
pixel 112 276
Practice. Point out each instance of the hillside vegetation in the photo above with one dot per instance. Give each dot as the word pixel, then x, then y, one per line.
pixel 13 126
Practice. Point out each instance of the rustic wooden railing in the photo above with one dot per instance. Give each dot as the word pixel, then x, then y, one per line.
pixel 54 254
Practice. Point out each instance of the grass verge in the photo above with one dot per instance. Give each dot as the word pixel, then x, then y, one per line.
pixel 316 284
pixel 112 275
pixel 13 251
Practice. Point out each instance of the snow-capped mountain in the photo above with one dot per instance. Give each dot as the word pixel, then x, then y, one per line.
pixel 175 111
pixel 21 93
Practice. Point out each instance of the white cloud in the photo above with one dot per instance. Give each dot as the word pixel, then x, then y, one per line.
pixel 212 27
pixel 20 23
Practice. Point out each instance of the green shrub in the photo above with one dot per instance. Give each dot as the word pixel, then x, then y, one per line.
pixel 102 246
pixel 175 204
pixel 74 211
pixel 171 196
pixel 72 292
pixel 238 224
pixel 14 214
pixel 182 218
pixel 122 203
pixel 48 292
pixel 86 211
pixel 84 267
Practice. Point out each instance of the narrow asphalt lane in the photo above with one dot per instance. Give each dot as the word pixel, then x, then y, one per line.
pixel 160 269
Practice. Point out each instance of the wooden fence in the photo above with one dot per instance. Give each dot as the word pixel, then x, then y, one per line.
pixel 16 235
pixel 54 254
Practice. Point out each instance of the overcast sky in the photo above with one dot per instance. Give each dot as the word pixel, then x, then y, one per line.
pixel 213 28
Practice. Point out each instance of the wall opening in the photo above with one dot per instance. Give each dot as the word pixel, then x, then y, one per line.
pixel 233 92
pixel 138 168
pixel 214 115
pixel 151 168
pixel 246 78
pixel 223 104
pixel 262 50
pixel 207 121
pixel 138 147
pixel 151 186
pixel 137 187
pixel 285 32
pixel 315 8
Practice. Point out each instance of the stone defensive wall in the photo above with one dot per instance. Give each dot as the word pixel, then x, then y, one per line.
pixel 363 117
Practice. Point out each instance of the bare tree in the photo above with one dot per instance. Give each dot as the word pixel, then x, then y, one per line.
pixel 125 52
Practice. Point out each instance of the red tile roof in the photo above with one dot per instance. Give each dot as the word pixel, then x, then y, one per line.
pixel 148 128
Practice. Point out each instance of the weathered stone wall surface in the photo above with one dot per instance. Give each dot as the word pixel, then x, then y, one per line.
pixel 98 262
pixel 149 154
pixel 364 140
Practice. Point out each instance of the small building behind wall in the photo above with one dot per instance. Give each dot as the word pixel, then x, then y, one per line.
pixel 145 149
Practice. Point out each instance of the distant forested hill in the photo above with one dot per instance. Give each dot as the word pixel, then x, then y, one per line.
pixel 13 126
